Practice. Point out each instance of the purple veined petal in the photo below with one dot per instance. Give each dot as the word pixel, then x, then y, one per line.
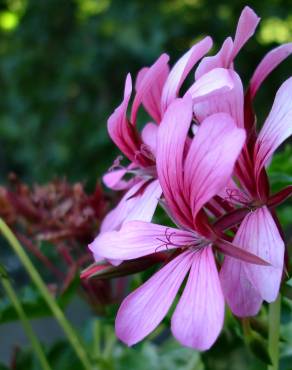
pixel 134 206
pixel 138 238
pixel 230 101
pixel 267 65
pixel 213 83
pixel 208 167
pixel 246 27
pixel 119 127
pixel 143 310
pixel 198 317
pixel 152 96
pixel 181 69
pixel 241 296
pixel 277 127
pixel 219 60
pixel 149 136
pixel 171 138
pixel 260 236
pixel 149 88
pixel 145 204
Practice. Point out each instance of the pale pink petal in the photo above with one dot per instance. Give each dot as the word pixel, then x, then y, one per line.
pixel 208 166
pixel 149 136
pixel 220 60
pixel 146 203
pixel 241 296
pixel 229 101
pixel 143 310
pixel 267 65
pixel 213 83
pixel 114 219
pixel 181 69
pixel 119 127
pixel 148 91
pixel 198 317
pixel 113 179
pixel 139 203
pixel 277 127
pixel 246 26
pixel 137 239
pixel 171 140
pixel 259 235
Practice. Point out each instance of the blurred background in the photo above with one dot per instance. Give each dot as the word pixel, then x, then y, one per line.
pixel 62 69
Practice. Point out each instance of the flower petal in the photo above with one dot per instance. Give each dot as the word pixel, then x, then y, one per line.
pixel 240 294
pixel 137 238
pixel 143 310
pixel 152 96
pixel 119 127
pixel 267 65
pixel 149 136
pixel 172 135
pixel 260 236
pixel 114 179
pixel 181 69
pixel 277 127
pixel 213 83
pixel 198 317
pixel 246 26
pixel 219 60
pixel 134 206
pixel 208 167
pixel 149 88
pixel 229 101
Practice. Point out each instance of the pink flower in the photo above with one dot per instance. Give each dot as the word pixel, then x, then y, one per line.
pixel 191 173
pixel 156 88
pixel 249 285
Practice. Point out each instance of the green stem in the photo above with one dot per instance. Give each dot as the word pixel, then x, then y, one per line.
pixel 37 280
pixel 25 322
pixel 274 332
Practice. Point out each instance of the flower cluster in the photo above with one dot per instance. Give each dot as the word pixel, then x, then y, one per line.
pixel 202 158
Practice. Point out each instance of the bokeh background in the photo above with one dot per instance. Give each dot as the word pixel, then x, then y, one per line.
pixel 62 69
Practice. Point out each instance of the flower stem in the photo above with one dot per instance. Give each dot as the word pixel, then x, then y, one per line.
pixel 56 310
pixel 25 322
pixel 274 332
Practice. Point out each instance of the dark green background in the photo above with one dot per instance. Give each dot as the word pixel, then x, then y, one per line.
pixel 63 64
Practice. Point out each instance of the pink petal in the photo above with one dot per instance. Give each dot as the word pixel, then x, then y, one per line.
pixel 198 317
pixel 119 128
pixel 267 65
pixel 213 83
pixel 171 139
pixel 143 310
pixel 246 26
pixel 149 88
pixel 181 69
pixel 229 101
pixel 208 167
pixel 220 60
pixel 259 235
pixel 240 294
pixel 113 179
pixel 134 206
pixel 277 127
pixel 152 96
pixel 137 238
pixel 149 136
